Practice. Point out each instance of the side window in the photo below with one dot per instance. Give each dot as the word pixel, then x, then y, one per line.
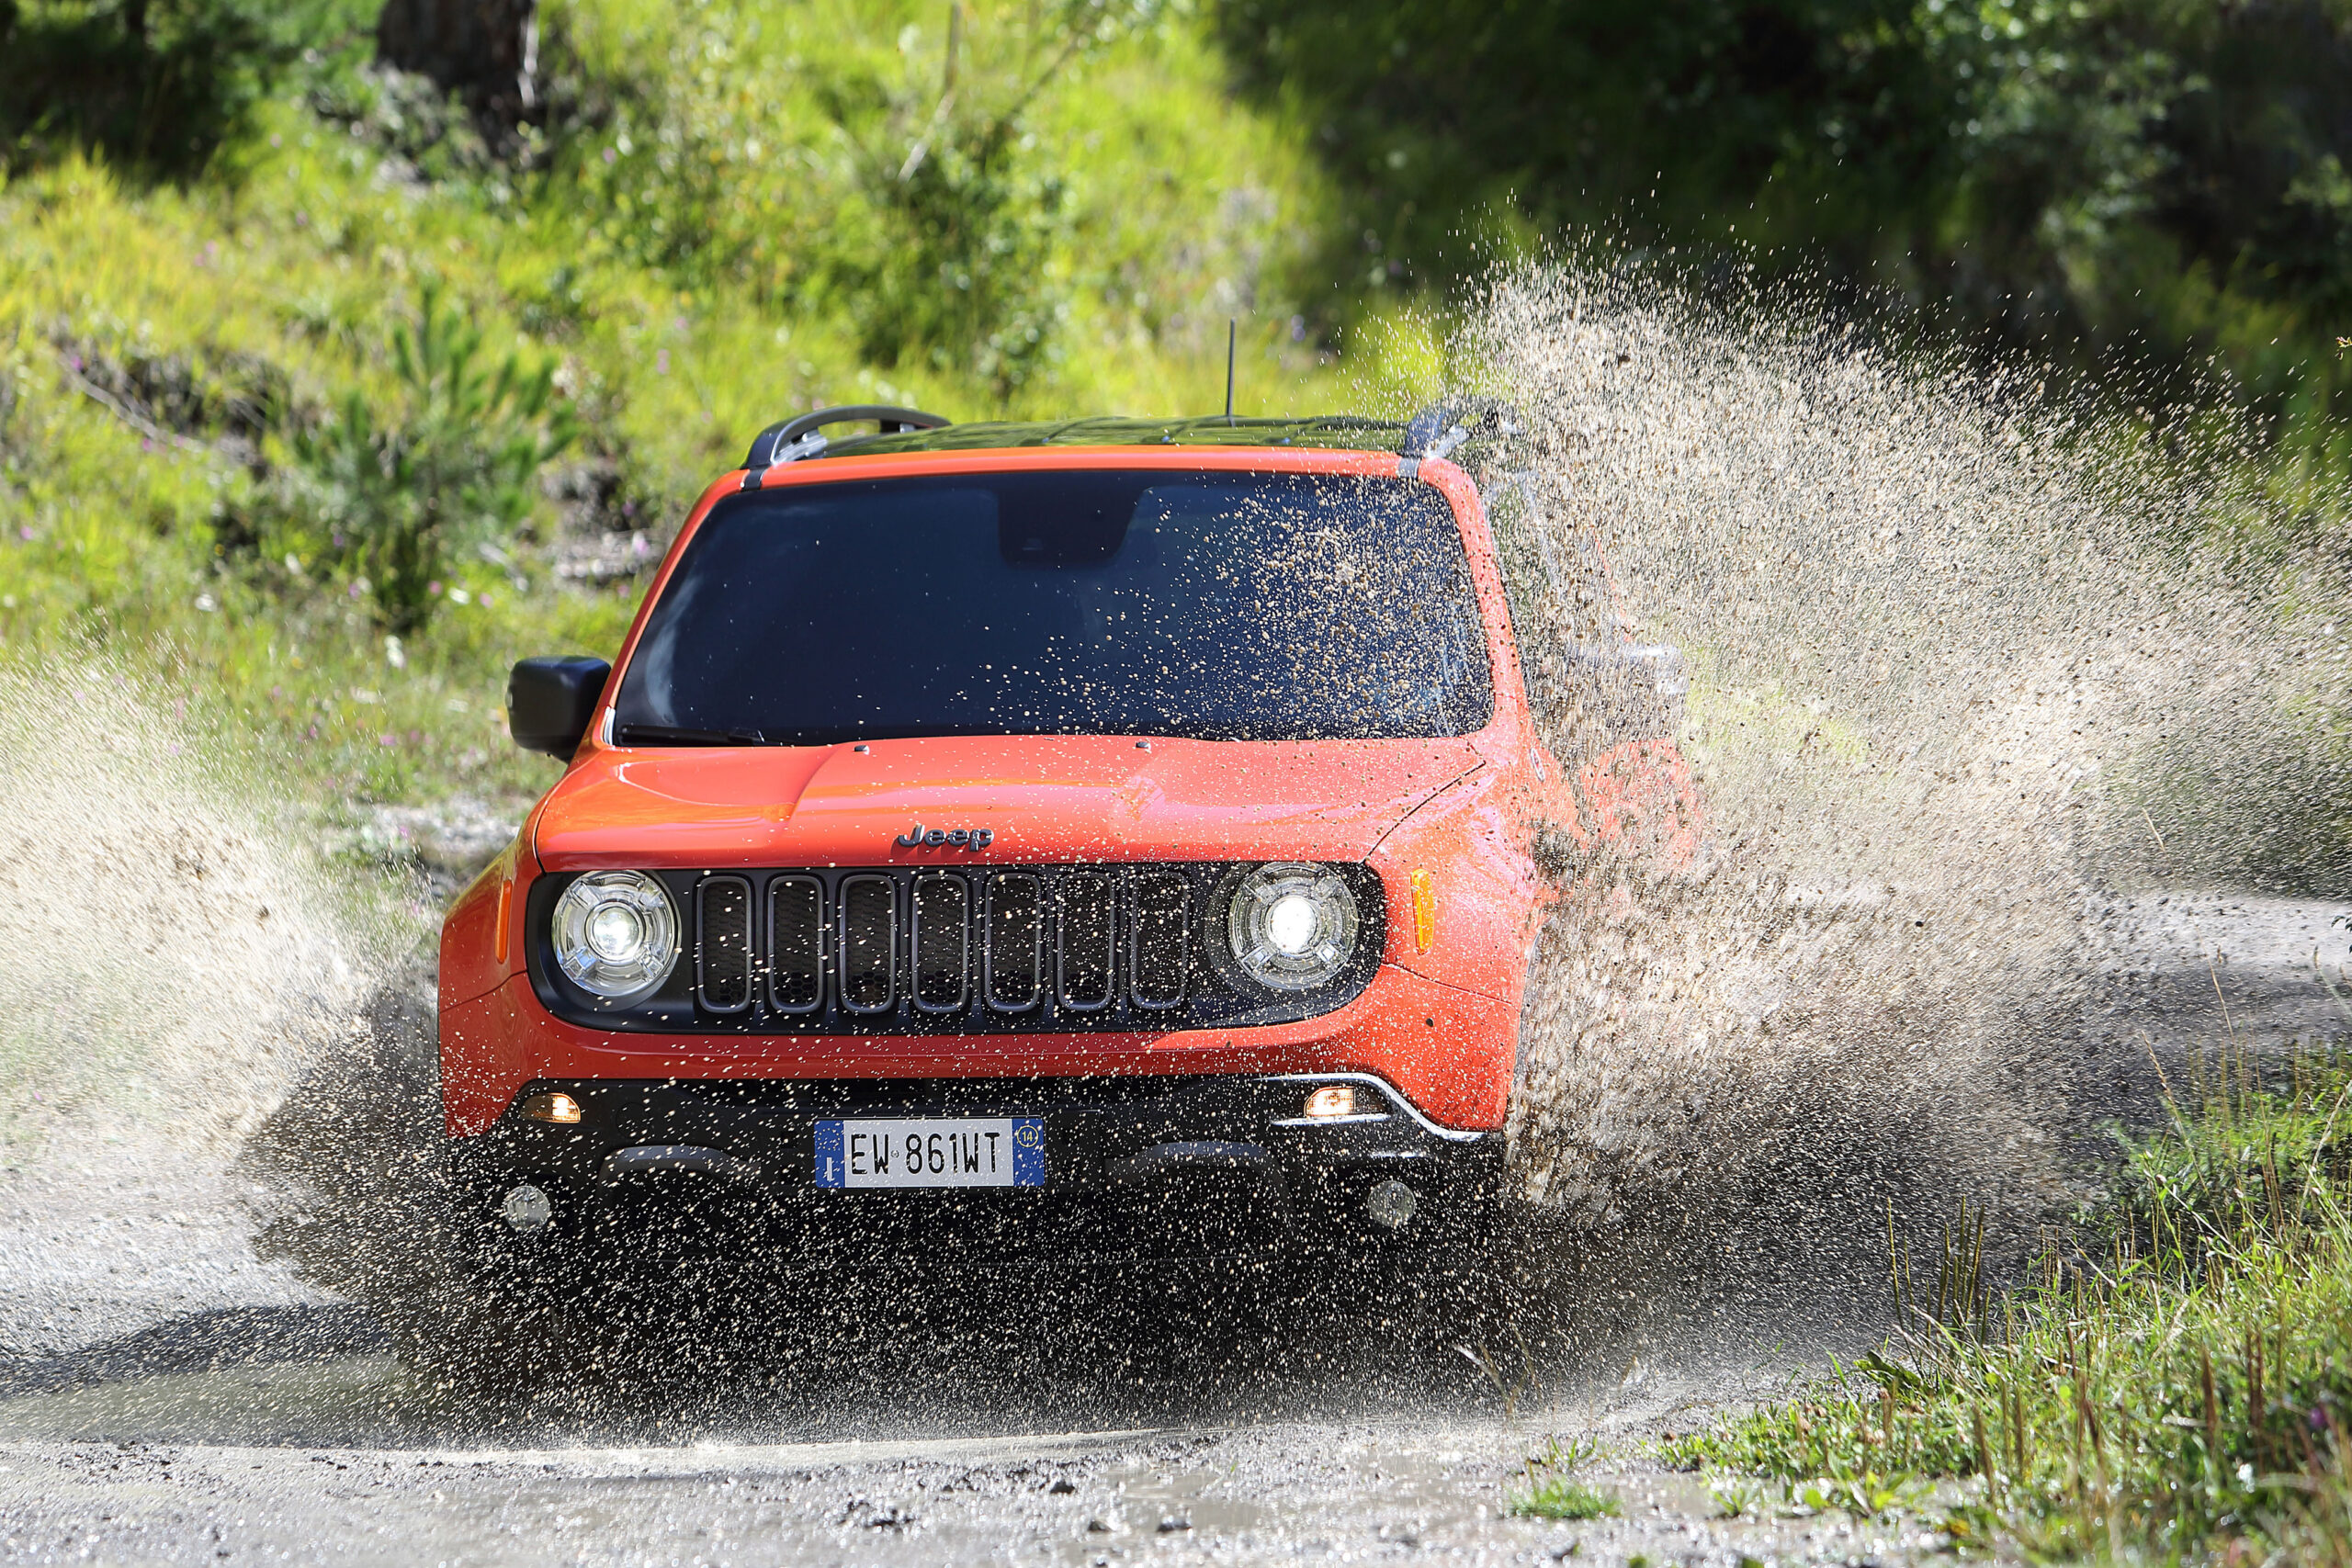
pixel 1557 585
pixel 1589 685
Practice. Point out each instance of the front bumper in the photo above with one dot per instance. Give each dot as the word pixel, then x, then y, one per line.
pixel 1166 1167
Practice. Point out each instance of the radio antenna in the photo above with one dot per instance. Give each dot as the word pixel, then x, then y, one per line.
pixel 1228 369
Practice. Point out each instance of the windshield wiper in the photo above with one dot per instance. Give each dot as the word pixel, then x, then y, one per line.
pixel 664 734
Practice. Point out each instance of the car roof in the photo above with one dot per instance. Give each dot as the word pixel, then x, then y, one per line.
pixel 1328 432
pixel 1475 428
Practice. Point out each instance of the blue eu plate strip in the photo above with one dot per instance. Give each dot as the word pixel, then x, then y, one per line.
pixel 1028 1151
pixel 830 1172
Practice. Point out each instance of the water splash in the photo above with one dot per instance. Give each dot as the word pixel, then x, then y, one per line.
pixel 170 956
pixel 1963 681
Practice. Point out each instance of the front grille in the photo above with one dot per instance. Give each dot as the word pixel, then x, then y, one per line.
pixel 1161 961
pixel 954 950
pixel 797 929
pixel 869 943
pixel 943 922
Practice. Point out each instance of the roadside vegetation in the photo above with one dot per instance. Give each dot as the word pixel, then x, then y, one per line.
pixel 327 391
pixel 346 393
pixel 1551 1490
pixel 2169 1384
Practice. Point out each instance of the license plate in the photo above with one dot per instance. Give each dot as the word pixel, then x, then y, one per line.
pixel 999 1151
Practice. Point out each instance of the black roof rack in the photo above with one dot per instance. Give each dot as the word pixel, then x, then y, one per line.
pixel 1437 431
pixel 797 437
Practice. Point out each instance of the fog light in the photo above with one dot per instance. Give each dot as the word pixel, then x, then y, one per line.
pixel 557 1107
pixel 528 1211
pixel 1390 1205
pixel 1331 1100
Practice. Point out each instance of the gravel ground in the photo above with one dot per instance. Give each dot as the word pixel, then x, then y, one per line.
pixel 1370 1491
pixel 168 1395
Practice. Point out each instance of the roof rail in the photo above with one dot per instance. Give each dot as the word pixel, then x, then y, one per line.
pixel 795 438
pixel 1438 429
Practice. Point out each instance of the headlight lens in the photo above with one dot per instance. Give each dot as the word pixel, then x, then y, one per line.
pixel 616 933
pixel 1292 926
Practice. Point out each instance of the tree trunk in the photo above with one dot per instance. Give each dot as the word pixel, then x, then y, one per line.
pixel 485 49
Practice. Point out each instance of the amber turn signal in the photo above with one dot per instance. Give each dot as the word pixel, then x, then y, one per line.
pixel 1332 1099
pixel 557 1107
pixel 1424 913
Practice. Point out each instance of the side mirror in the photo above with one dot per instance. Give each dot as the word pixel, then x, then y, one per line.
pixel 549 702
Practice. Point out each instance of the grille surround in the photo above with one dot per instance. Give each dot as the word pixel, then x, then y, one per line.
pixel 939 885
pixel 819 939
pixel 1211 993
pixel 855 971
pixel 1033 885
pixel 1074 950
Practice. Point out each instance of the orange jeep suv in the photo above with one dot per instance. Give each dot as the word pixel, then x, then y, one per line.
pixel 1073 833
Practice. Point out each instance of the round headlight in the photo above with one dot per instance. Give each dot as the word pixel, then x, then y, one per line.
pixel 616 933
pixel 1291 926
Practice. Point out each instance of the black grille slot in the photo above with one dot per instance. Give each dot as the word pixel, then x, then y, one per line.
pixel 942 941
pixel 1160 961
pixel 1016 942
pixel 869 943
pixel 723 943
pixel 796 944
pixel 1087 930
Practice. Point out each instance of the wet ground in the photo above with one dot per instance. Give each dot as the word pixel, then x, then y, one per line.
pixel 168 1394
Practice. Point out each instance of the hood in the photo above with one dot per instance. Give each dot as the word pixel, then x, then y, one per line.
pixel 1042 799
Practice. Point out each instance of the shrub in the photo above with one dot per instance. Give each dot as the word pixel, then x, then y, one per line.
pixel 386 502
pixel 959 227
pixel 1564 1498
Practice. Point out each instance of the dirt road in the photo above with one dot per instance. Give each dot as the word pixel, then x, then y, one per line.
pixel 167 1394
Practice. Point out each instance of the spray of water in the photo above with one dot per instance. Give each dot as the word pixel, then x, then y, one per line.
pixel 174 962
pixel 1963 683
pixel 170 959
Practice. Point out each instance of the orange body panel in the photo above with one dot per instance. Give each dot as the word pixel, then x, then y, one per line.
pixel 1439 1021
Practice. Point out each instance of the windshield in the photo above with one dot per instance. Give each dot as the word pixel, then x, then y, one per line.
pixel 1220 606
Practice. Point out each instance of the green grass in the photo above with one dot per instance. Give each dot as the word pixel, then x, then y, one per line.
pixel 1563 1497
pixel 1550 1489
pixel 2174 1380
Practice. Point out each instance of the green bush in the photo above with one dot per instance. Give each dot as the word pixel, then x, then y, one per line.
pixel 2141 192
pixel 384 501
pixel 1563 1497
pixel 945 255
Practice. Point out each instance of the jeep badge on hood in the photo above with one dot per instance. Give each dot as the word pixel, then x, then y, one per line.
pixel 954 838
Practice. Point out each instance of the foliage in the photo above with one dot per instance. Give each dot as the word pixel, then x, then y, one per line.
pixel 1552 1492
pixel 1564 1498
pixel 383 505
pixel 959 232
pixel 2171 1377
pixel 2113 181
pixel 157 84
pixel 920 191
pixel 168 347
